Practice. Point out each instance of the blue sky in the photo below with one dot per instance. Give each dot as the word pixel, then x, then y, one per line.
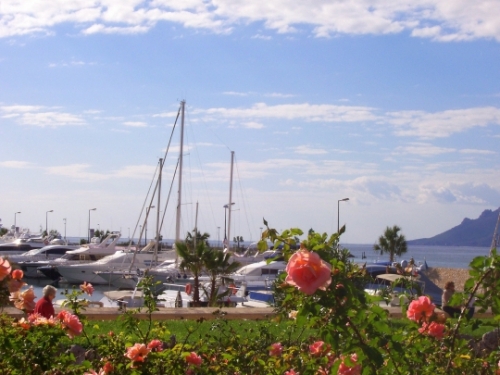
pixel 395 105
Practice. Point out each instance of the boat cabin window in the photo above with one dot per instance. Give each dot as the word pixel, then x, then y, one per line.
pixel 270 271
pixel 56 251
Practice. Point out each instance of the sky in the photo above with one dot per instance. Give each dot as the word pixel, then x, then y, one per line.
pixel 392 104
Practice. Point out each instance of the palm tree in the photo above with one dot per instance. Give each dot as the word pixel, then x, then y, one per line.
pixel 391 243
pixel 192 239
pixel 218 263
pixel 193 259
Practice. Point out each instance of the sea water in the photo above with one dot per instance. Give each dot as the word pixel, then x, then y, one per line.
pixel 434 256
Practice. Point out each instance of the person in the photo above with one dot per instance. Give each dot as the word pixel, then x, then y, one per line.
pixel 449 290
pixel 44 306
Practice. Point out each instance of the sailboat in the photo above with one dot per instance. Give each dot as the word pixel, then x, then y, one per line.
pixel 128 278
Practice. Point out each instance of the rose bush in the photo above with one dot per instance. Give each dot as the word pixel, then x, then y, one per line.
pixel 328 325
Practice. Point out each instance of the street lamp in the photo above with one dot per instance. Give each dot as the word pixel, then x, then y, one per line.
pixel 218 236
pixel 88 232
pixel 15 226
pixel 226 206
pixel 65 230
pixel 46 226
pixel 338 212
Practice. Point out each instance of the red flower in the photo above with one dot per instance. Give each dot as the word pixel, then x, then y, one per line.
pixel 155 346
pixel 71 322
pixel 107 368
pixel 318 348
pixel 193 359
pixel 5 268
pixel 433 329
pixel 308 272
pixel 350 369
pixel 17 274
pixel 276 349
pixel 137 353
pixel 421 308
pixel 87 288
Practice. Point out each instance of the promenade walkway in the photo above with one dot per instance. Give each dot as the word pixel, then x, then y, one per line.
pixel 249 313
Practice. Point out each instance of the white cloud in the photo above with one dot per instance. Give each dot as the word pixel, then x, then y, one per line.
pixel 442 124
pixel 471 193
pixel 308 150
pixel 279 95
pixel 40 116
pixel 136 124
pixel 253 125
pixel 70 63
pixel 20 108
pixel 304 111
pixel 423 149
pixel 439 20
pixel 166 114
pixel 77 171
pixel 50 119
pixel 234 93
pixel 476 151
pixel 16 164
pixel 83 172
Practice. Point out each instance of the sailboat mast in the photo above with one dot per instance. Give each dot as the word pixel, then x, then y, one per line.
pixel 179 194
pixel 157 246
pixel 230 203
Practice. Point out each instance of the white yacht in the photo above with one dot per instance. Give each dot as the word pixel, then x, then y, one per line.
pixel 122 260
pixel 31 260
pixel 87 253
pixel 255 276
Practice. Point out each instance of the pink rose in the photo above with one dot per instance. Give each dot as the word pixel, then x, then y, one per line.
pixel 15 285
pixel 5 268
pixel 433 329
pixel 276 349
pixel 308 272
pixel 420 308
pixel 87 288
pixel 155 346
pixel 17 274
pixel 107 368
pixel 26 300
pixel 193 359
pixel 137 353
pixel 350 369
pixel 317 348
pixel 291 372
pixel 71 323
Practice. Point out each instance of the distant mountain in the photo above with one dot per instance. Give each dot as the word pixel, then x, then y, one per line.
pixel 470 232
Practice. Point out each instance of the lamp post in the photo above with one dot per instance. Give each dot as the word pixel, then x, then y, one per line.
pixel 65 230
pixel 46 220
pixel 218 236
pixel 226 206
pixel 15 226
pixel 338 212
pixel 88 232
